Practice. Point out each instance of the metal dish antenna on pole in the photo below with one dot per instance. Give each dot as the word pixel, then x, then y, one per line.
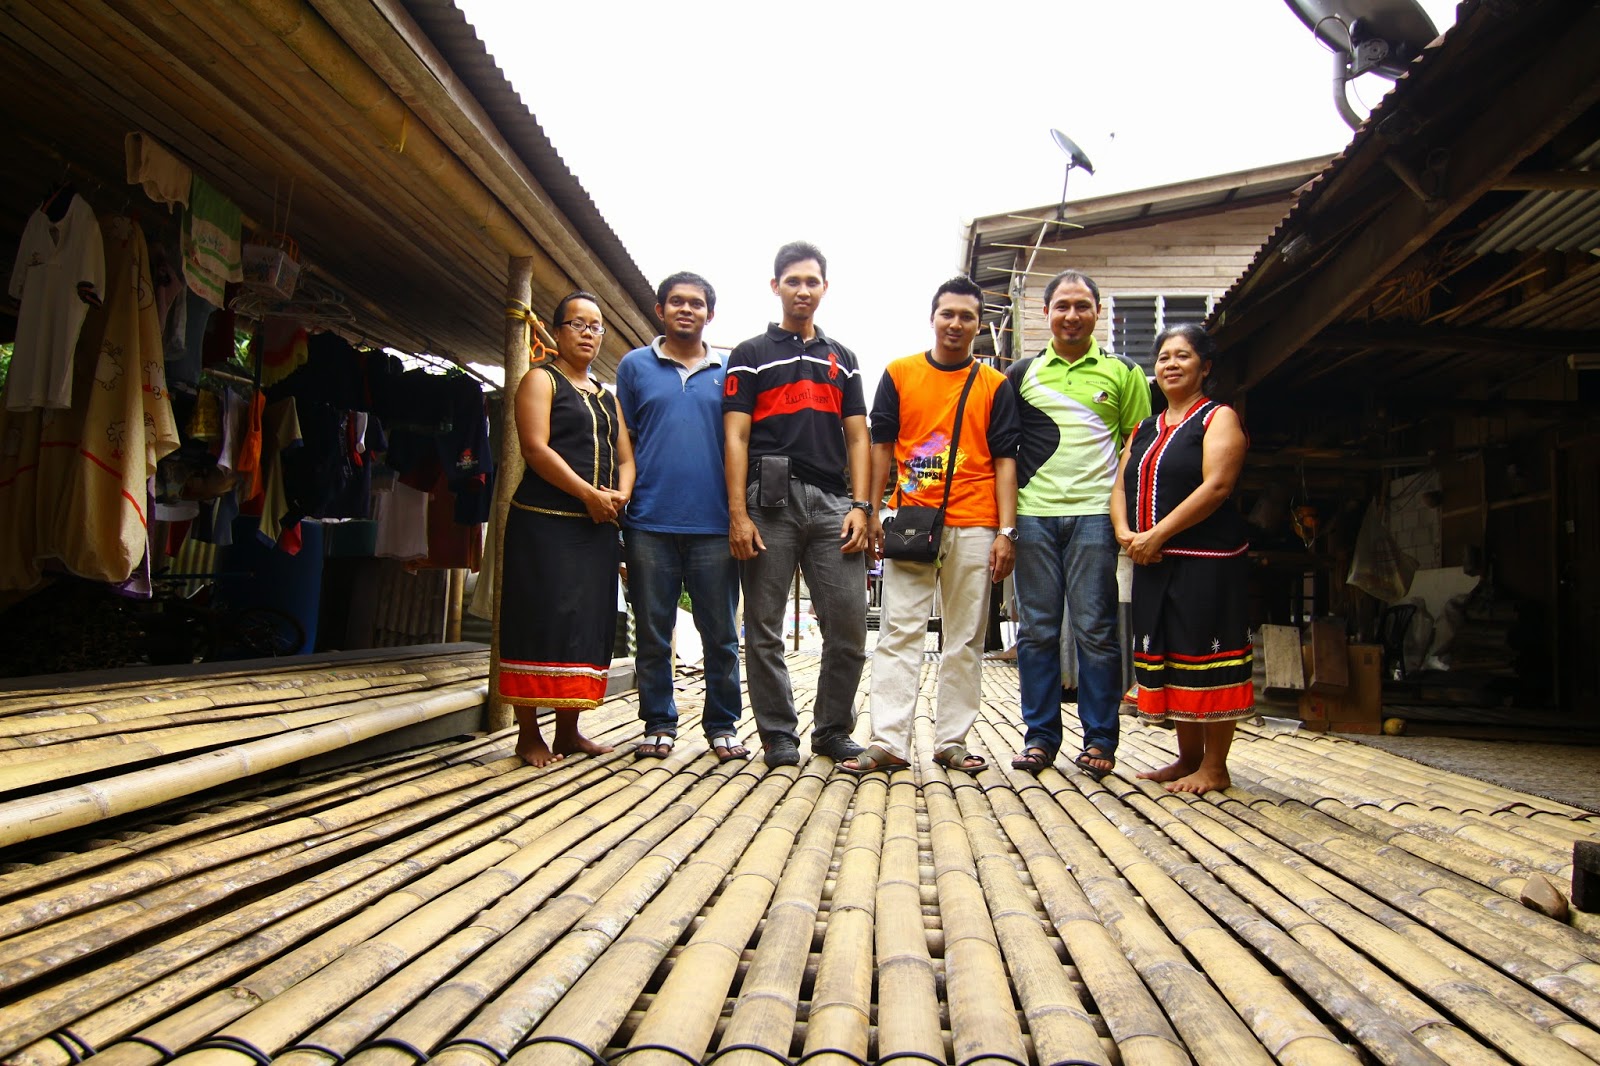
pixel 1076 159
pixel 1367 37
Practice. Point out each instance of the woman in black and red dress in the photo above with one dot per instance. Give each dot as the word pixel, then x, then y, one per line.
pixel 559 591
pixel 1172 512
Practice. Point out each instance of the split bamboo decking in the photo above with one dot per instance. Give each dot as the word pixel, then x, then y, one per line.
pixel 447 904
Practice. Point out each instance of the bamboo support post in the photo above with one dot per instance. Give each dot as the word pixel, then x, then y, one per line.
pixel 519 301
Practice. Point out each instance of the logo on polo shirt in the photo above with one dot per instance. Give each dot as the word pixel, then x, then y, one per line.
pixel 731 386
pixel 833 366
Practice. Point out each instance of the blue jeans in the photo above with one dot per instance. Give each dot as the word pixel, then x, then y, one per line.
pixel 660 567
pixel 804 533
pixel 1068 562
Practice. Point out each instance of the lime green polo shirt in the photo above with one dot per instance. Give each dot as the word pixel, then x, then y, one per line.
pixel 1075 417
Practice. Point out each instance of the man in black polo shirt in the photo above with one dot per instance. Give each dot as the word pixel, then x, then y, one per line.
pixel 795 421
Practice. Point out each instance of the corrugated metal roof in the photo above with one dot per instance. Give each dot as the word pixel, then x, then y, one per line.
pixel 469 58
pixel 1566 221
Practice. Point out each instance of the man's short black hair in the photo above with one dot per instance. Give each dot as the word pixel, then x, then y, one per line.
pixel 686 277
pixel 1075 276
pixel 798 252
pixel 561 308
pixel 961 285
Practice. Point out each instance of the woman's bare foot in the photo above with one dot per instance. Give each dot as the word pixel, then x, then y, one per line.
pixel 569 741
pixel 535 752
pixel 1201 780
pixel 1170 772
pixel 580 744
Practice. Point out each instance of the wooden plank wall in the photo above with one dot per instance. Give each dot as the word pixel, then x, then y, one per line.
pixel 1189 256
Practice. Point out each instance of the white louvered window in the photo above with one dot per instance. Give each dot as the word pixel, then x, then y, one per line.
pixel 1135 321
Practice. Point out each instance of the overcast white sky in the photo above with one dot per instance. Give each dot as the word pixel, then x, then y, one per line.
pixel 711 132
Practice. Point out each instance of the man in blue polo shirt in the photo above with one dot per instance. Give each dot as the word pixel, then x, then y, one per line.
pixel 676 526
pixel 1078 405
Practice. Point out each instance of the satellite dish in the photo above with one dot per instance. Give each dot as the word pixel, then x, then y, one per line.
pixel 1367 37
pixel 1074 154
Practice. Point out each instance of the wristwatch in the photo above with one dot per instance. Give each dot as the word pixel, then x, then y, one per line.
pixel 1010 533
pixel 861 505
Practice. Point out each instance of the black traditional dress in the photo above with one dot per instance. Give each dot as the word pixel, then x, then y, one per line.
pixel 558 614
pixel 1191 631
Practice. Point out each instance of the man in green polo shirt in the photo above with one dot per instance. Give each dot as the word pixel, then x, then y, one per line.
pixel 1078 404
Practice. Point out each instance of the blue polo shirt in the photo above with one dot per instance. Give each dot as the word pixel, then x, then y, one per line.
pixel 675 419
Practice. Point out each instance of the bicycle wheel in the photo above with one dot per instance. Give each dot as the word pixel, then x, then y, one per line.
pixel 266 632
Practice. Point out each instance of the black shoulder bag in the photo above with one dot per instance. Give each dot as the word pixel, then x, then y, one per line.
pixel 912 534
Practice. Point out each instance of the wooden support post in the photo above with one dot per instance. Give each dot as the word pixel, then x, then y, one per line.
pixel 1586 875
pixel 519 297
pixel 452 605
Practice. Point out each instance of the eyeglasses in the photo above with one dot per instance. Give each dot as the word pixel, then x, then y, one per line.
pixel 581 328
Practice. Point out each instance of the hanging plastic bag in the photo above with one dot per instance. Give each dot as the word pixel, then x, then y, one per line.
pixel 1379 567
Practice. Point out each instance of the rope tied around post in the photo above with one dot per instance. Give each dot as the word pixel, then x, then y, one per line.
pixel 532 328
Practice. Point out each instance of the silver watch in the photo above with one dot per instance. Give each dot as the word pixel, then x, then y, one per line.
pixel 1010 533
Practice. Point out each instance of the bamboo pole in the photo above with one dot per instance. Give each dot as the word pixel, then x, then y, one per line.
pixel 522 1005
pixel 686 1011
pixel 840 1014
pixel 539 857
pixel 32 817
pixel 481 811
pixel 905 968
pixel 1516 1023
pixel 519 303
pixel 453 600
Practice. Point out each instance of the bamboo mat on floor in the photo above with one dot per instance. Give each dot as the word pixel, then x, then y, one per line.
pixel 1338 905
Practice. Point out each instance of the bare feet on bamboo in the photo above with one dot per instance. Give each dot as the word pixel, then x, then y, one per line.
pixel 580 745
pixel 1170 772
pixel 1201 780
pixel 535 752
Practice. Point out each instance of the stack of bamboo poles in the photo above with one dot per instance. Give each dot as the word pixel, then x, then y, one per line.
pixel 71 758
pixel 1338 905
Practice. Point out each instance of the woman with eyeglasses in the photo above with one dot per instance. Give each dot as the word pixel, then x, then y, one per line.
pixel 558 597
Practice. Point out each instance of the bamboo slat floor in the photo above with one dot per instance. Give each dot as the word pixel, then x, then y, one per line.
pixel 1337 905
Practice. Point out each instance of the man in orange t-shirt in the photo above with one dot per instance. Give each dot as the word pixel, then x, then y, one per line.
pixel 913 419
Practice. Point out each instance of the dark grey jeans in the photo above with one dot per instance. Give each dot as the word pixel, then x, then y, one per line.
pixel 805 533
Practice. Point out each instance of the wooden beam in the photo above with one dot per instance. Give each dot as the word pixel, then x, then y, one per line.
pixel 1556 85
pixel 1549 180
pixel 1454 339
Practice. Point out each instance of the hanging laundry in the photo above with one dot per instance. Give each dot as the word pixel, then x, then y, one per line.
pixel 165 177
pixel 59 274
pixel 213 244
pixel 167 276
pixel 281 433
pixel 402 517
pixel 248 460
pixel 95 460
pixel 282 348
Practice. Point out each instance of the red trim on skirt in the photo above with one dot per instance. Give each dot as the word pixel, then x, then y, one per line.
pixel 1188 704
pixel 577 686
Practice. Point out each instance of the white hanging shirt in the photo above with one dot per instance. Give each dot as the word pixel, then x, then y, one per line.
pixel 60 271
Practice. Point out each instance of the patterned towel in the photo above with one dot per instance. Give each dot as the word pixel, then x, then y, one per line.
pixel 212 245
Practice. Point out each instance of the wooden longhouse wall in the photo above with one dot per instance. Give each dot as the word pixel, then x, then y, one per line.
pixel 1185 256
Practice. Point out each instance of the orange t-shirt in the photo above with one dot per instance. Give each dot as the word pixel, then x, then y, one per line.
pixel 915 410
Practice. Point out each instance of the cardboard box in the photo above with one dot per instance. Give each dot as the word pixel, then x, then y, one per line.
pixel 1356 709
pixel 1362 701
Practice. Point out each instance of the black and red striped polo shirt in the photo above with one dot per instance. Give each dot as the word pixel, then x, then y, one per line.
pixel 798 394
